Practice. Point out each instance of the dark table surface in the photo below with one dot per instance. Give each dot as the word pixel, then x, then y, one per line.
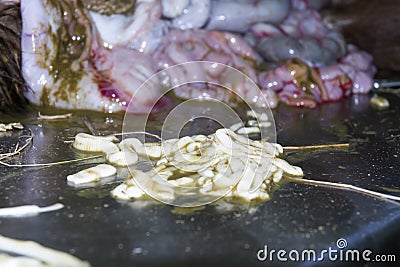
pixel 106 232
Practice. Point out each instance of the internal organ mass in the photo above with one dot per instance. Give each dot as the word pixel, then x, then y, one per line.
pixel 77 57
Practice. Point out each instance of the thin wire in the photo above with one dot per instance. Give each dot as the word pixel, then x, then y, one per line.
pixel 54 117
pixel 49 164
pixel 346 187
pixel 17 151
pixel 316 146
pixel 89 126
pixel 145 133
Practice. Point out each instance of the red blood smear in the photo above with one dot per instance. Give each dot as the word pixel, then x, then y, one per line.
pixel 107 90
pixel 162 104
pixel 346 87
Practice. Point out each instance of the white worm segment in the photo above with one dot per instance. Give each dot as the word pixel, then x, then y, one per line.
pixel 184 181
pixel 120 192
pixel 93 174
pixel 379 103
pixel 207 173
pixel 199 138
pixel 287 168
pixel 153 150
pixel 277 176
pixel 17 125
pixel 206 187
pixel 258 116
pixel 224 163
pixel 279 149
pixel 20 261
pixel 249 130
pixel 252 123
pixel 165 174
pixel 51 257
pixel 223 138
pixel 221 181
pixel 264 124
pixel 132 144
pixel 192 147
pixel 236 126
pixel 123 158
pixel 127 192
pixel 246 180
pixel 91 143
pixel 204 180
pixel 134 192
pixel 252 114
pixel 236 165
pixel 3 127
pixel 152 182
pixel 28 210
pixel 157 186
pixel 263 117
pixel 184 141
pixel 10 126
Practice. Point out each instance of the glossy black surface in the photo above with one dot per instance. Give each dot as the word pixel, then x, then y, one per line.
pixel 97 228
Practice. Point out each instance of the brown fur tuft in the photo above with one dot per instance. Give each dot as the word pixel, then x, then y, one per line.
pixel 12 83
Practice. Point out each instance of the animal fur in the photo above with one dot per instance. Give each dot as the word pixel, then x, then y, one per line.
pixel 12 83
